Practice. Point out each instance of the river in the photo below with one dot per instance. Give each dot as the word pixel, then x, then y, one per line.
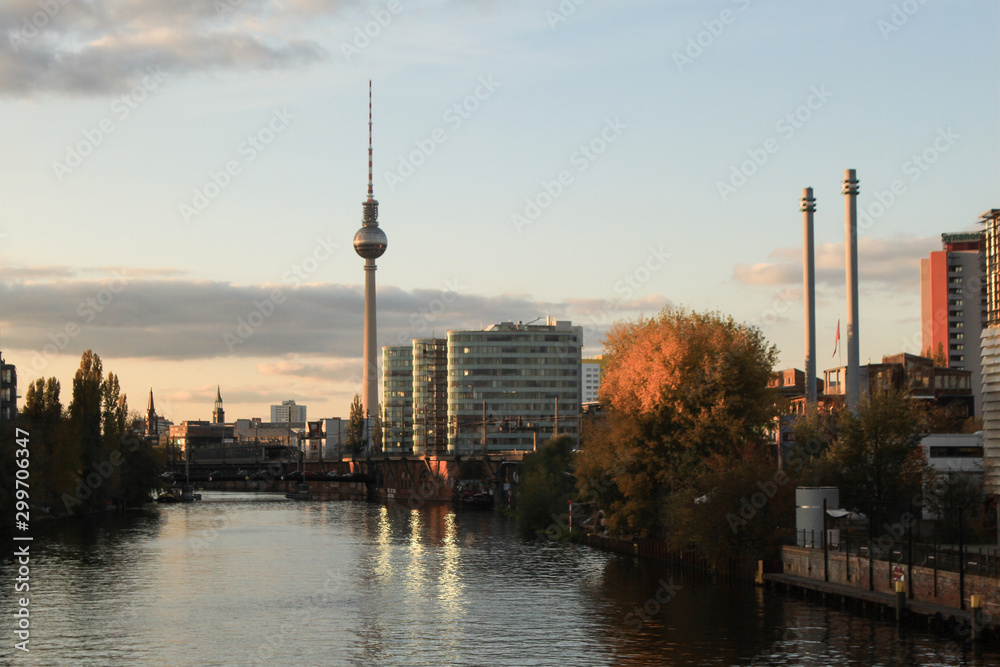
pixel 255 579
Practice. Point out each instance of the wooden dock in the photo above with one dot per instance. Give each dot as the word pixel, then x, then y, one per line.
pixel 933 613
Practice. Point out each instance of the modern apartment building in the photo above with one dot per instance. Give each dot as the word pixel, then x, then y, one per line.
pixel 397 399
pixel 590 378
pixel 990 345
pixel 288 411
pixel 512 372
pixel 953 304
pixel 430 396
pixel 501 389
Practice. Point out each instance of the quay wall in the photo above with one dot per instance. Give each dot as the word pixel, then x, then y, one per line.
pixel 940 587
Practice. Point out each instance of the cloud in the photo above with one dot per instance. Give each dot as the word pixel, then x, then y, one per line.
pixel 125 316
pixel 889 262
pixel 87 48
pixel 767 273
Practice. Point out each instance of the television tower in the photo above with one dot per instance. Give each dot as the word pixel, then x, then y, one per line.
pixel 370 243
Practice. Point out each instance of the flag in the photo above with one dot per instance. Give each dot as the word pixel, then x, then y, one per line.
pixel 836 342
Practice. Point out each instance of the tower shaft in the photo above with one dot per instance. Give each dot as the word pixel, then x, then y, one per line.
pixel 369 376
pixel 853 379
pixel 809 290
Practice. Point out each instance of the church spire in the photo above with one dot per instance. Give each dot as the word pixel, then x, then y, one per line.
pixel 152 423
pixel 219 415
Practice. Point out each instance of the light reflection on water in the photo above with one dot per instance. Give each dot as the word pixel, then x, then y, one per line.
pixel 244 579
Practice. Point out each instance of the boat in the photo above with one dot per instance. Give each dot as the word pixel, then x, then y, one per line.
pixel 168 497
pixel 174 495
pixel 471 497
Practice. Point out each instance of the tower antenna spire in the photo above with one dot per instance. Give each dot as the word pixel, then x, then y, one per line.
pixel 371 190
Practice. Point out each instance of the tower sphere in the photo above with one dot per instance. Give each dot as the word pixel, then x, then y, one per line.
pixel 370 242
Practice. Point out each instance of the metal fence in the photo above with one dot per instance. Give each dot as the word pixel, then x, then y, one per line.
pixel 903 549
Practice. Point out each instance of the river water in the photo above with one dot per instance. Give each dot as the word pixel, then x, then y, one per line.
pixel 245 579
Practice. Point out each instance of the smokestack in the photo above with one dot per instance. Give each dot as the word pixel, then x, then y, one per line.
pixel 809 290
pixel 853 364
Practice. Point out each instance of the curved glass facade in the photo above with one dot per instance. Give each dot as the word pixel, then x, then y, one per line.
pixel 430 396
pixel 397 400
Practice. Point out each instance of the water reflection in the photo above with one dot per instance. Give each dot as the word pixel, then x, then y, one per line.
pixel 249 579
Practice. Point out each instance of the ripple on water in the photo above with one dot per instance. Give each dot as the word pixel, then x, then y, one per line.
pixel 243 579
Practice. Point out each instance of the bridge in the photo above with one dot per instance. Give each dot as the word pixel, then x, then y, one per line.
pixel 402 478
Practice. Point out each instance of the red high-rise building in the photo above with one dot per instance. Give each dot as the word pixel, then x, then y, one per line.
pixel 953 303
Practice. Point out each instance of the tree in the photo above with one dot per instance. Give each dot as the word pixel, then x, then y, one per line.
pixel 680 388
pixel 356 428
pixel 939 356
pixel 546 485
pixel 85 420
pixel 54 452
pixel 139 469
pixel 114 412
pixel 877 453
pixel 735 510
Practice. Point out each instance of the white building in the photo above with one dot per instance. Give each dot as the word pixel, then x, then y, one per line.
pixel 590 378
pixel 990 347
pixel 509 373
pixel 288 412
pixel 955 452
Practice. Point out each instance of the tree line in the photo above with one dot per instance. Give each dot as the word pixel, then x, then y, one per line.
pixel 85 457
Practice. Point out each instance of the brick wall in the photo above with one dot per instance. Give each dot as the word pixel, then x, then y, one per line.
pixel 808 563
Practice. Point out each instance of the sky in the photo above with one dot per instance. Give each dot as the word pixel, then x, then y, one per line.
pixel 181 182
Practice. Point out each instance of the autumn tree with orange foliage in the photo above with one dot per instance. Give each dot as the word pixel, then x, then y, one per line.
pixel 682 390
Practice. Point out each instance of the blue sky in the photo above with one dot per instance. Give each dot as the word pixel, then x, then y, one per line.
pixel 586 159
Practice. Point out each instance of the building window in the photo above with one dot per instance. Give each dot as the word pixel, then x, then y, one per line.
pixel 957 357
pixel 958 336
pixel 956 313
pixel 957 346
pixel 955 268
